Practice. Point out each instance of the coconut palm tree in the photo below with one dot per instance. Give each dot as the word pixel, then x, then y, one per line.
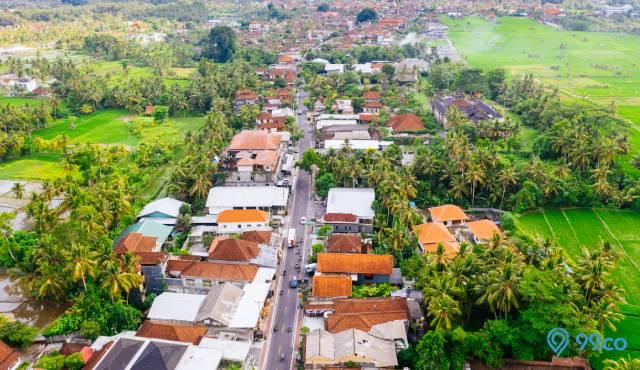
pixel 622 364
pixel 502 292
pixel 475 175
pixel 116 280
pixel 49 283
pixel 81 263
pixel 18 190
pixel 506 177
pixel 443 311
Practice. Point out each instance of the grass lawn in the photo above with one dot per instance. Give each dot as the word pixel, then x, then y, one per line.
pixel 103 127
pixel 15 100
pixel 594 66
pixel 38 166
pixel 577 228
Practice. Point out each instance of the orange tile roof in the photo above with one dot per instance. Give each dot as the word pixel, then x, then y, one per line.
pixel 344 243
pixel 406 122
pixel 484 229
pixel 355 263
pixel 180 333
pixel 234 250
pixel 245 94
pixel 368 117
pixel 151 258
pixel 332 286
pixel 243 215
pixel 447 212
pixel 8 356
pixel 255 140
pixel 262 237
pixel 135 242
pixel 285 59
pixel 433 232
pixel 220 271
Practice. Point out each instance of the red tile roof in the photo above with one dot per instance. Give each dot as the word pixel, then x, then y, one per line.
pixel 262 237
pixel 8 356
pixel 340 217
pixel 180 333
pixel 256 140
pixel 344 243
pixel 234 250
pixel 406 122
pixel 371 95
pixel 245 94
pixel 220 271
pixel 364 313
pixel 135 242
pixel 373 104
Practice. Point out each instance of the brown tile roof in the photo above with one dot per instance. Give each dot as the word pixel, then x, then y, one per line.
pixel 180 333
pixel 484 229
pixel 263 116
pixel 242 215
pixel 285 59
pixel 340 217
pixel 344 243
pixel 447 212
pixel 234 250
pixel 151 258
pixel 220 271
pixel 371 95
pixel 8 356
pixel 355 263
pixel 368 117
pixel 256 140
pixel 245 94
pixel 406 122
pixel 364 313
pixel 135 242
pixel 373 104
pixel 332 286
pixel 262 237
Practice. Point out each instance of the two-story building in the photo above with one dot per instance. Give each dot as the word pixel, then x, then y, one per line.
pixel 363 268
pixel 253 158
pixel 350 210
pixel 233 221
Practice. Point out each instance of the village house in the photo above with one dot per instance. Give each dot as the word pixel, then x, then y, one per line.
pixel 225 249
pixel 233 221
pixel 346 243
pixel 270 199
pixel 244 97
pixel 253 157
pixel 343 106
pixel 448 214
pixel 408 70
pixel 331 286
pixel 433 234
pixel 333 69
pixel 163 211
pixel 318 105
pixel 371 96
pixel 405 123
pixel 475 110
pixel 324 349
pixel 377 145
pixel 363 268
pixel 483 231
pixel 192 275
pixel 349 210
pixel 372 107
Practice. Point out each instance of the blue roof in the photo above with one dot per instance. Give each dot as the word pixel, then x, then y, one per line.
pixel 147 228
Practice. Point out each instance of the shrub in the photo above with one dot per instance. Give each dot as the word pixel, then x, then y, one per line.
pixel 74 361
pixel 90 330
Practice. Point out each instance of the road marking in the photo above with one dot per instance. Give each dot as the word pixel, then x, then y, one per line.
pixel 285 310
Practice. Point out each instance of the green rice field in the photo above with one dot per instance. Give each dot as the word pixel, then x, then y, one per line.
pixel 598 67
pixel 574 229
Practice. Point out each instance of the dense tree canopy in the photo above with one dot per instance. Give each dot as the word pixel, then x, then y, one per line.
pixel 221 44
pixel 366 14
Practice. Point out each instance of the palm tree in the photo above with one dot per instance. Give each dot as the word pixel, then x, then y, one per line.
pixel 82 263
pixel 503 290
pixel 116 281
pixel 475 175
pixel 622 364
pixel 507 176
pixel 49 283
pixel 18 190
pixel 443 310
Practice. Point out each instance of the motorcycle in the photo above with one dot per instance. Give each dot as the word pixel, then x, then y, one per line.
pixel 281 291
pixel 282 357
pixel 289 330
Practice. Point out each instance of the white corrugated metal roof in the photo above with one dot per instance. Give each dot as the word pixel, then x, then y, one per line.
pixel 264 274
pixel 357 201
pixel 334 122
pixel 231 350
pixel 228 197
pixel 168 206
pixel 176 306
pixel 198 357
pixel 248 312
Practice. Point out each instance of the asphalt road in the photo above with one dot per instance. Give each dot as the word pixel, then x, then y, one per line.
pixel 287 308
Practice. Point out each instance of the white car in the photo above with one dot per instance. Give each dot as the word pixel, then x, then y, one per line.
pixel 303 220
